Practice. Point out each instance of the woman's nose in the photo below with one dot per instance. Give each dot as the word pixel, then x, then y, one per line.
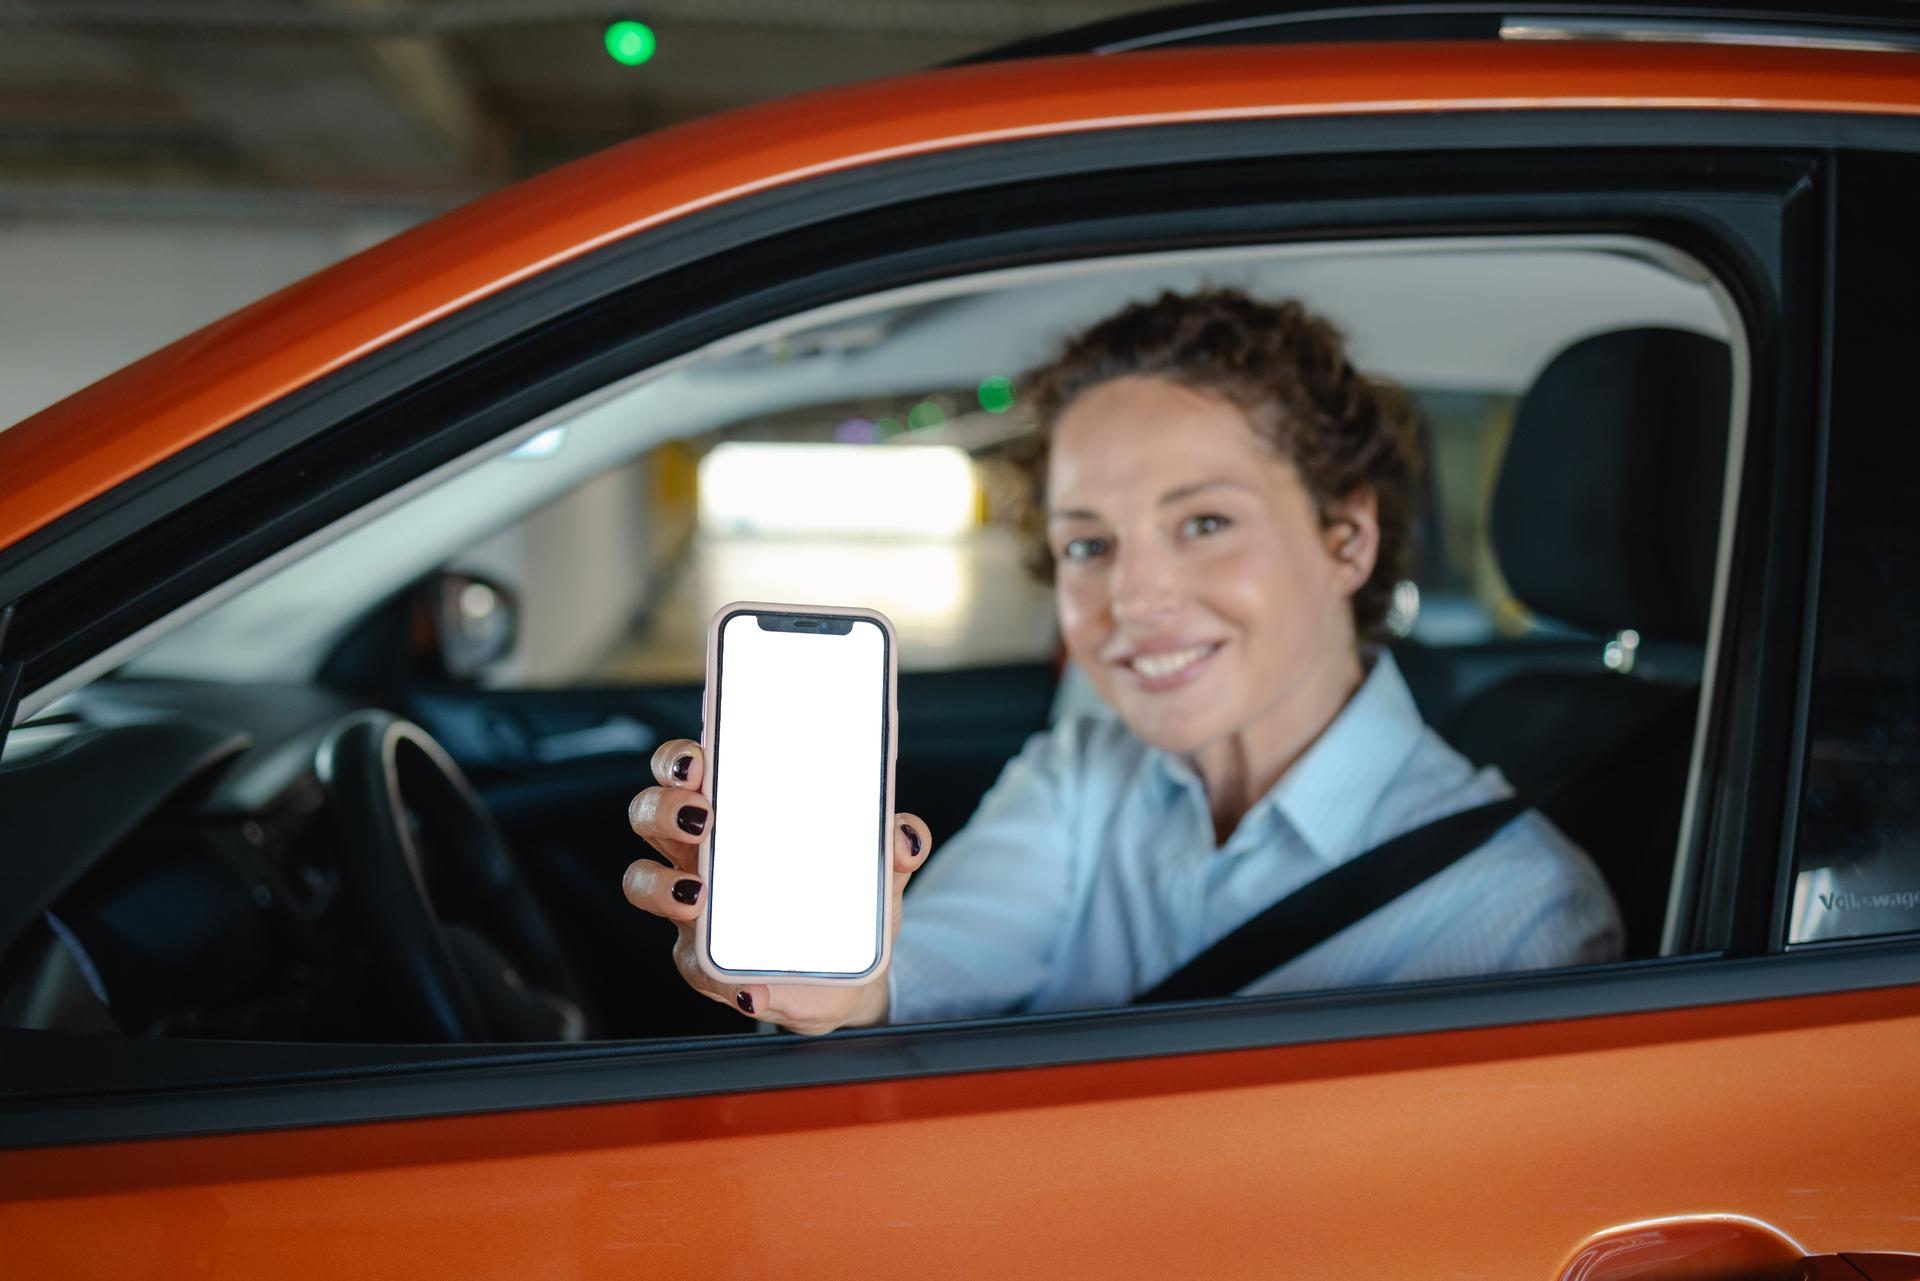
pixel 1145 585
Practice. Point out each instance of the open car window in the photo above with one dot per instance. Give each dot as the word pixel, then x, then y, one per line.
pixel 857 455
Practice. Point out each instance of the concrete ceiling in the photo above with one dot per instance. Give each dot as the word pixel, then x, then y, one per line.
pixel 428 101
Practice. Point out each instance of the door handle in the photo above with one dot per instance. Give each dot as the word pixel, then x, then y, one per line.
pixel 1721 1247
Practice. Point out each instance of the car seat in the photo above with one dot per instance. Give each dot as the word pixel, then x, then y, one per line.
pixel 1606 516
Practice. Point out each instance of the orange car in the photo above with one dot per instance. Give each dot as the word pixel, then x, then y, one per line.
pixel 338 597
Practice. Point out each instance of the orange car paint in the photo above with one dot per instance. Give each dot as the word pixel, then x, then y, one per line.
pixel 1490 1153
pixel 124 424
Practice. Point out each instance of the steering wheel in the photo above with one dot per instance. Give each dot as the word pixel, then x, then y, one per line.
pixel 464 947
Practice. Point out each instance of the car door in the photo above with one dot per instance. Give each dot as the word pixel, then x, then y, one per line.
pixel 1748 1077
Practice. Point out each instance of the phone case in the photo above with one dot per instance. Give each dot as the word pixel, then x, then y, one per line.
pixel 709 714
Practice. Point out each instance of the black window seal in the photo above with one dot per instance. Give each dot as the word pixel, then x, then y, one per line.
pixel 1808 656
pixel 12 676
pixel 1756 705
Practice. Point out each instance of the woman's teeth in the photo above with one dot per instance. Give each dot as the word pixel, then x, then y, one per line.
pixel 1155 666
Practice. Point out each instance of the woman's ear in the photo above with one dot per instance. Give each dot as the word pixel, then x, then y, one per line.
pixel 1352 538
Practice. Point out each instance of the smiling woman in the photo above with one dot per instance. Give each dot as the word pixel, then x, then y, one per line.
pixel 1151 412
pixel 1225 504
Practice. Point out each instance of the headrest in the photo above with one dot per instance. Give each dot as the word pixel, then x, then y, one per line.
pixel 1608 504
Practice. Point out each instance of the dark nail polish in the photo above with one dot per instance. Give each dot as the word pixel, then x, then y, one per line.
pixel 687 892
pixel 692 820
pixel 744 1001
pixel 682 766
pixel 913 839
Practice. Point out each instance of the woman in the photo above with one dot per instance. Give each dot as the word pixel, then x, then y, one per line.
pixel 1224 510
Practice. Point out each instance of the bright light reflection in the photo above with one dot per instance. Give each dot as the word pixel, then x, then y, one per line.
pixel 544 445
pixel 926 491
pixel 477 600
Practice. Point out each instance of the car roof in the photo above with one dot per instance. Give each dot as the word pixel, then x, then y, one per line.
pixel 124 424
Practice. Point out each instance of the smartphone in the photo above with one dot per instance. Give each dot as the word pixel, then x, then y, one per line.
pixel 799 737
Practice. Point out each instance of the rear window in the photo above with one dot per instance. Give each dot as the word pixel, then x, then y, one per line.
pixel 1857 857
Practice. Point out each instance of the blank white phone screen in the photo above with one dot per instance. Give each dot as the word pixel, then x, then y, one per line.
pixel 798 847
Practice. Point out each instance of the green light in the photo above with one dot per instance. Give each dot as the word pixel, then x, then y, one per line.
pixel 630 43
pixel 996 394
pixel 924 415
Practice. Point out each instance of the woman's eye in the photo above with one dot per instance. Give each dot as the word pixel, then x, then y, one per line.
pixel 1203 525
pixel 1083 548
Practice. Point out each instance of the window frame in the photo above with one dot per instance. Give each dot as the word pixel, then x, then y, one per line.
pixel 396 417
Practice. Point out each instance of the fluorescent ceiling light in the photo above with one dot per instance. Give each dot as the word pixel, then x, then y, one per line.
pixel 925 491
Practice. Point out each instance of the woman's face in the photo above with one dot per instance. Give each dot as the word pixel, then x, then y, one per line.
pixel 1195 583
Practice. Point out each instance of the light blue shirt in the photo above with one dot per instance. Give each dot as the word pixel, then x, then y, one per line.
pixel 1089 872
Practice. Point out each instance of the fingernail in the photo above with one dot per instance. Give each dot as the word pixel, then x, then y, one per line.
pixel 687 892
pixel 682 766
pixel 744 1001
pixel 913 839
pixel 692 820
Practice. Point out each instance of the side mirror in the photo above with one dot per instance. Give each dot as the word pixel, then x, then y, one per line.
pixel 475 622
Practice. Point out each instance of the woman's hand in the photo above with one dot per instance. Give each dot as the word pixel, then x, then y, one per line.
pixel 673 818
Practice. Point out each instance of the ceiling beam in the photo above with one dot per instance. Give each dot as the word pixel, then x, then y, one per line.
pixel 422 79
pixel 985 19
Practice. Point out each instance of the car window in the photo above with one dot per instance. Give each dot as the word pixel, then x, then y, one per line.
pixel 1857 851
pixel 861 455
pixel 906 499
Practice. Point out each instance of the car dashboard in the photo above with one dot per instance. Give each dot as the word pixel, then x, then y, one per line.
pixel 175 874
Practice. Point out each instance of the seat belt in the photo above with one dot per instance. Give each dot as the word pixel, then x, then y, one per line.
pixel 1323 907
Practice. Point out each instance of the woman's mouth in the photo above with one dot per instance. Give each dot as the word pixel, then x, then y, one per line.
pixel 1167 668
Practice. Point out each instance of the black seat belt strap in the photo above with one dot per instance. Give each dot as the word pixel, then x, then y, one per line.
pixel 1322 908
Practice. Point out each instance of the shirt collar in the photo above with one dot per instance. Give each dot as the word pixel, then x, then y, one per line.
pixel 1337 782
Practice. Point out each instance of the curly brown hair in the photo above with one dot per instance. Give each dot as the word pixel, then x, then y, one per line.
pixel 1286 368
